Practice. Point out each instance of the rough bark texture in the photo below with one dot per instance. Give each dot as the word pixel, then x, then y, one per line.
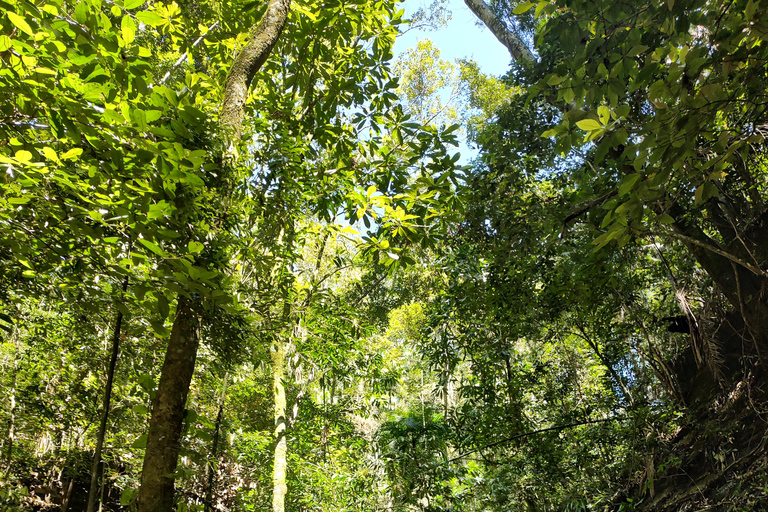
pixel 508 36
pixel 281 447
pixel 247 63
pixel 743 288
pixel 156 493
pixel 94 489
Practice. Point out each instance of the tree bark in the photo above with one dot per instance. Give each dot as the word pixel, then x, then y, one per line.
pixel 508 36
pixel 156 491
pixel 247 63
pixel 12 404
pixel 215 449
pixel 743 288
pixel 93 492
pixel 281 447
pixel 162 453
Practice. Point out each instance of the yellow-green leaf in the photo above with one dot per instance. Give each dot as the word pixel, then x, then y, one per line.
pixel 128 29
pixel 589 124
pixel 72 154
pixel 5 43
pixel 23 156
pixel 50 154
pixel 20 23
pixel 150 18
pixel 523 7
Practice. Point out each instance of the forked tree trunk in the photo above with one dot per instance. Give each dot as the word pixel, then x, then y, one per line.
pixel 281 446
pixel 157 484
pixel 156 492
pixel 94 489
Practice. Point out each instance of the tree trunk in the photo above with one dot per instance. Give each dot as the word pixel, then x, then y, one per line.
pixel 247 63
pixel 156 491
pixel 157 484
pixel 215 449
pixel 743 287
pixel 281 447
pixel 93 492
pixel 12 404
pixel 508 36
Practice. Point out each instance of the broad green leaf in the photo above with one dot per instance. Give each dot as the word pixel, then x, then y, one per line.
pixel 195 247
pixel 23 156
pixel 72 154
pixel 128 29
pixel 5 43
pixel 523 7
pixel 589 124
pixel 133 4
pixel 150 18
pixel 20 23
pixel 152 247
pixel 628 182
pixel 141 442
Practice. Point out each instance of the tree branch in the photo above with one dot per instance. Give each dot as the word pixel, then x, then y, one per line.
pixel 247 63
pixel 508 36
pixel 526 434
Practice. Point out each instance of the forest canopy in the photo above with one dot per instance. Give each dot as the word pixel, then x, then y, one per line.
pixel 243 265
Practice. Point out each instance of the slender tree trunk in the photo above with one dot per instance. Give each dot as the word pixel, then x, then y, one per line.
pixel 12 405
pixel 157 487
pixel 213 464
pixel 281 447
pixel 93 492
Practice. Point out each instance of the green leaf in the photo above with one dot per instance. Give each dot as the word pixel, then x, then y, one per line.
pixel 589 124
pixel 152 247
pixel 140 409
pixel 23 156
pixel 20 23
pixel 150 18
pixel 195 247
pixel 72 154
pixel 50 154
pixel 141 442
pixel 128 29
pixel 146 382
pixel 129 494
pixel 162 306
pixel 523 7
pixel 5 43
pixel 628 182
pixel 133 4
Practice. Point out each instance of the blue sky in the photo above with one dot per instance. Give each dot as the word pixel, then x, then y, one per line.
pixel 461 38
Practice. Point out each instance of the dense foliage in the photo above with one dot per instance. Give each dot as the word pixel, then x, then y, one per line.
pixel 300 302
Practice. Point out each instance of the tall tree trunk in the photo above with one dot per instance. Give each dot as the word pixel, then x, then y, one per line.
pixel 281 448
pixel 213 464
pixel 93 492
pixel 156 492
pixel 12 404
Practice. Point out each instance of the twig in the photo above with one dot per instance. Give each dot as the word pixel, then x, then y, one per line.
pixel 526 434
